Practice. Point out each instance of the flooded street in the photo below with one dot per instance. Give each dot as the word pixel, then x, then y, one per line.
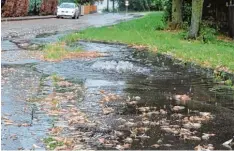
pixel 133 99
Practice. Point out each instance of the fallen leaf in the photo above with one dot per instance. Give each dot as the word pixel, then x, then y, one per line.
pixel 64 147
pixel 102 91
pixel 59 139
pixel 35 146
pixel 4 118
pixel 8 122
pixel 127 146
pixel 101 140
pixel 56 130
pixel 155 146
pixel 14 137
pixel 107 110
pixel 20 148
pixel 24 124
pixel 68 141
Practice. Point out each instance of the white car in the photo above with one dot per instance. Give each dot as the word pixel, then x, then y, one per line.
pixel 68 10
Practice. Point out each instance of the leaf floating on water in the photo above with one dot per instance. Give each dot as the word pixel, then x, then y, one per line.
pixel 102 91
pixel 119 147
pixel 24 124
pixel 107 110
pixel 182 98
pixel 178 108
pixel 101 140
pixel 155 146
pixel 64 147
pixel 35 146
pixel 204 147
pixel 167 145
pixel 56 130
pixel 59 139
pixel 8 122
pixel 108 145
pixel 128 140
pixel 14 137
pixel 126 146
pixel 4 118
pixel 20 148
pixel 68 141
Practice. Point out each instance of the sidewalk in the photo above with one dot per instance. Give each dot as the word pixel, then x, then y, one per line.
pixel 26 18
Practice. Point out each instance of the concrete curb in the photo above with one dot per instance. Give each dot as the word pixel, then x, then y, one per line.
pixel 26 18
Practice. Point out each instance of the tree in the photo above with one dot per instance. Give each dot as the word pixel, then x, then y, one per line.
pixel 113 6
pixel 197 7
pixel 108 5
pixel 176 14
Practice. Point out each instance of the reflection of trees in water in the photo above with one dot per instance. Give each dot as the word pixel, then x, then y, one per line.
pixel 169 80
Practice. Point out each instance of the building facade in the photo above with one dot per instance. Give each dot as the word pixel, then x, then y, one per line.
pixel 102 5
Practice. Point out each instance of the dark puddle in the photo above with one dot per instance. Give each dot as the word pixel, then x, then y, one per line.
pixel 48 38
pixel 8 46
pixel 155 79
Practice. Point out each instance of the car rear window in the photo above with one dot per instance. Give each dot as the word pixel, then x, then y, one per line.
pixel 66 5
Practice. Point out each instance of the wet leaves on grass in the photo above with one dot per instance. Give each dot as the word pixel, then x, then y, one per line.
pixel 62 106
pixel 59 51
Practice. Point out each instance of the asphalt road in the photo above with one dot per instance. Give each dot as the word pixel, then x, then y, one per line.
pixel 30 28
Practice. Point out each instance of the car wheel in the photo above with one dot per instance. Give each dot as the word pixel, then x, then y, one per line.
pixel 57 17
pixel 78 16
pixel 74 17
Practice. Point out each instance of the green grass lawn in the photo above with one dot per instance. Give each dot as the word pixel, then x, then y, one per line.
pixel 145 31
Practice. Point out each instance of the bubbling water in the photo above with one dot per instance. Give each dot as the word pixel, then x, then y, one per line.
pixel 119 67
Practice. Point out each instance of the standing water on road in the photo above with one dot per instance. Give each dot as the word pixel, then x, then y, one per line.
pixel 145 101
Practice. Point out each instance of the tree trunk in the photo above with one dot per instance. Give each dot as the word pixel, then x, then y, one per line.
pixel 113 6
pixel 147 5
pixel 108 5
pixel 176 14
pixel 142 4
pixel 197 7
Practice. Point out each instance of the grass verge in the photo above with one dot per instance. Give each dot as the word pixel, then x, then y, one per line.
pixel 60 51
pixel 147 31
pixel 57 51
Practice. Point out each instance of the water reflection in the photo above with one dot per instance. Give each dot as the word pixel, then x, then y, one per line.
pixel 156 80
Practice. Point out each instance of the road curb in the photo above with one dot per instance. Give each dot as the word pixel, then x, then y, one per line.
pixel 26 18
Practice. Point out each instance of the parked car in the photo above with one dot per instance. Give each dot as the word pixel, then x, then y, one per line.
pixel 70 10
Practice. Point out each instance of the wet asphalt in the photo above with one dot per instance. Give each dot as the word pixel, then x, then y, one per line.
pixel 20 82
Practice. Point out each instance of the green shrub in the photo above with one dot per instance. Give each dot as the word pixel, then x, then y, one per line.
pixel 228 82
pixel 187 11
pixel 167 10
pixel 160 25
pixel 183 35
pixel 207 34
